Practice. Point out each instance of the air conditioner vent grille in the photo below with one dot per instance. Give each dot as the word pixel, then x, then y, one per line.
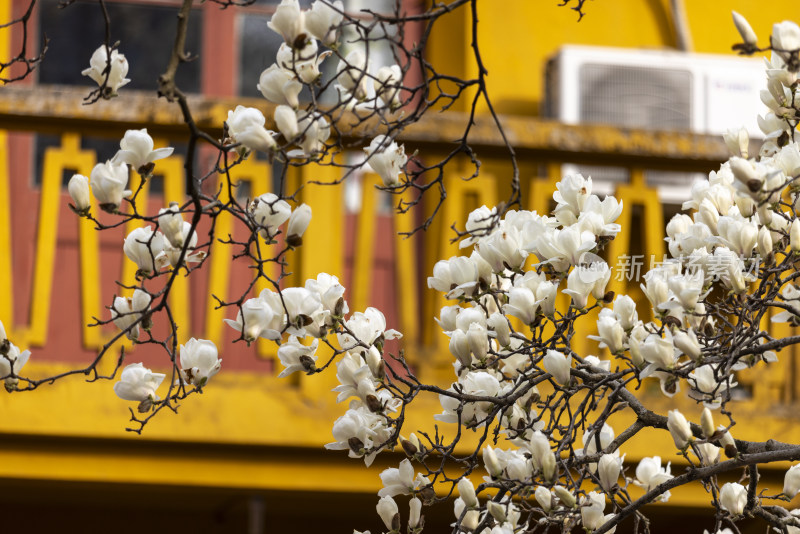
pixel 637 97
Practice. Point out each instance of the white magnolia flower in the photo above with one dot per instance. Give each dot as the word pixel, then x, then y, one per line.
pixel 289 22
pixel 353 75
pixel 388 512
pixel 791 481
pixel 174 253
pixel 558 365
pixel 502 249
pixel 99 65
pixel 367 328
pixel 246 126
pixel 199 361
pixel 146 249
pixel 733 498
pixel 745 30
pixel 709 387
pixel 137 383
pixel 322 20
pixel 260 317
pixel 12 362
pixel 572 192
pixel 610 332
pixel 125 311
pixel 401 481
pixel 170 222
pixel 301 306
pixel 479 383
pixel 544 498
pixel 479 224
pixel 286 121
pixel 331 295
pixel 359 431
pixel 298 223
pixel 280 86
pixel 467 493
pixel 456 277
pixel 79 191
pixel 269 212
pixel 314 131
pixel 650 474
pixel 108 181
pixel 136 149
pixel 785 39
pixel 608 470
pixel 738 141
pixel 592 507
pixel 679 429
pixel 387 159
pixel 387 85
pixel 414 513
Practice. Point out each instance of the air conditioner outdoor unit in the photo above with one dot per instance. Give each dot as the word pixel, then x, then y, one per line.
pixel 660 90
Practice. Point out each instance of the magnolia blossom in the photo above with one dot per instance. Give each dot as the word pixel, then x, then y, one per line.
pixel 146 249
pixel 12 362
pixel 544 498
pixel 387 85
pixel 246 126
pixel 558 365
pixel 733 498
pixel 679 429
pixel 199 361
pixel 314 130
pixel 592 507
pixel 288 21
pixel 100 67
pixel 136 149
pixel 298 223
pixel 260 317
pixel 269 212
pixel 744 29
pixel 78 188
pixel 137 383
pixel 353 75
pixel 401 480
pixel 108 181
pixel 126 312
pixel 608 470
pixel 322 20
pixel 387 159
pixel 280 86
pixel 286 121
pixel 791 481
pixel 467 493
pixel 650 474
pixel 388 512
pixel 786 40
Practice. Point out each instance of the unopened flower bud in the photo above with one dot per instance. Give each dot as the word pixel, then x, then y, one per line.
pixel 467 493
pixel 79 191
pixel 565 496
pixel 744 29
pixel 491 462
pixel 298 223
pixel 544 498
pixel 707 423
pixel 497 510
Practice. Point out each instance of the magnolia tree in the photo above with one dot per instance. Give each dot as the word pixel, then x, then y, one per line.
pixel 536 412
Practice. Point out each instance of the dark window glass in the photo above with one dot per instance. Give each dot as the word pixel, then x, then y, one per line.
pixel 258 48
pixel 145 33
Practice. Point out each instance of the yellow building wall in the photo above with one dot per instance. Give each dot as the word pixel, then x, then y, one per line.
pixel 516 37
